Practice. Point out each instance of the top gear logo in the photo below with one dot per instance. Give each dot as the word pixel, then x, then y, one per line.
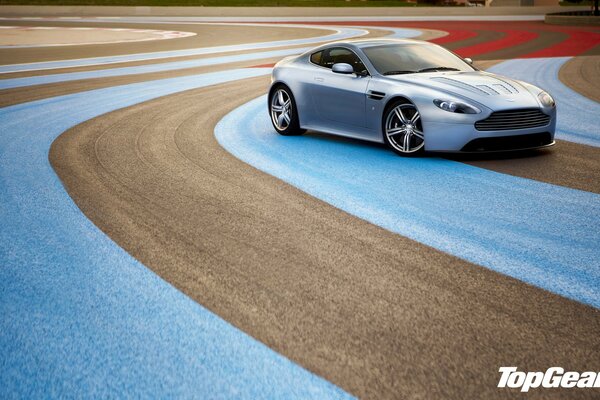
pixel 554 377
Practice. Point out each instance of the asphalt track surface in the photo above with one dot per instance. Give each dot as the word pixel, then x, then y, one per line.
pixel 376 313
pixel 46 36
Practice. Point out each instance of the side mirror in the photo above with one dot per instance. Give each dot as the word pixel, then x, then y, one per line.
pixel 342 68
pixel 469 60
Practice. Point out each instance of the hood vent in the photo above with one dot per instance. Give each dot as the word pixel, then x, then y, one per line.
pixel 486 86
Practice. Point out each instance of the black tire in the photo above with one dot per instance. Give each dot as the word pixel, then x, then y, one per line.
pixel 391 121
pixel 289 126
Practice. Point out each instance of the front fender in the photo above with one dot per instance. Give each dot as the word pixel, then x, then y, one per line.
pixel 422 98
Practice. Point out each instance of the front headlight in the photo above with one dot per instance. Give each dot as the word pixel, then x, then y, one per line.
pixel 546 99
pixel 456 107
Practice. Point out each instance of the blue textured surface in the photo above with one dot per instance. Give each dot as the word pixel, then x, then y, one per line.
pixel 344 33
pixel 542 234
pixel 578 118
pixel 79 316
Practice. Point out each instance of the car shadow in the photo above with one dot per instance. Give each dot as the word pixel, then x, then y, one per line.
pixel 459 157
pixel 498 156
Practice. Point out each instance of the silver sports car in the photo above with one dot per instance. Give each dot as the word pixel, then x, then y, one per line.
pixel 410 94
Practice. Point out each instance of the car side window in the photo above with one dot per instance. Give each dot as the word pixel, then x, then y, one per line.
pixel 341 55
pixel 315 58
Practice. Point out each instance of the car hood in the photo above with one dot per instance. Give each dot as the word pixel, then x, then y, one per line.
pixel 494 91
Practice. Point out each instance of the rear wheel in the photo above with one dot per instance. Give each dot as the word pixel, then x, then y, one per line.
pixel 403 129
pixel 283 111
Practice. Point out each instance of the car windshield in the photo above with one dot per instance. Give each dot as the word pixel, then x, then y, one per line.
pixel 396 59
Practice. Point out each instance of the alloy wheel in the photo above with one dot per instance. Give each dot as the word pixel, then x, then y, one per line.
pixel 281 109
pixel 403 129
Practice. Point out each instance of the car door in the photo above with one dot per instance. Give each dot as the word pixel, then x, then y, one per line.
pixel 339 99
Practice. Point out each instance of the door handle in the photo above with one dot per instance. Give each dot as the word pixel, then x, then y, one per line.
pixel 317 79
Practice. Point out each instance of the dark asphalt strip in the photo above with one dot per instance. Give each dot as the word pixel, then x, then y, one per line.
pixel 207 35
pixel 581 74
pixel 378 314
pixel 566 164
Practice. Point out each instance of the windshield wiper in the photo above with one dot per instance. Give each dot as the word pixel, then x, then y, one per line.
pixel 398 72
pixel 438 69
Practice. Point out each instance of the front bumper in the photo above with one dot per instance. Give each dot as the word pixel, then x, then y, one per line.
pixel 453 137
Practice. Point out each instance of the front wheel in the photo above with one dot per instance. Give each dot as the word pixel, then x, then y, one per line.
pixel 403 129
pixel 284 114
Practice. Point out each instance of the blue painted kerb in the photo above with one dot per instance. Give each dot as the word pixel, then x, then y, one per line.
pixel 79 316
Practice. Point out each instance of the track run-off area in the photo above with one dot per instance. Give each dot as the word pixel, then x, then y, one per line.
pixel 158 238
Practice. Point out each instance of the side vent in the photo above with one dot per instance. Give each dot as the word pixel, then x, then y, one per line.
pixel 372 94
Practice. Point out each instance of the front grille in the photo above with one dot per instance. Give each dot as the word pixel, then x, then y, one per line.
pixel 507 143
pixel 513 119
